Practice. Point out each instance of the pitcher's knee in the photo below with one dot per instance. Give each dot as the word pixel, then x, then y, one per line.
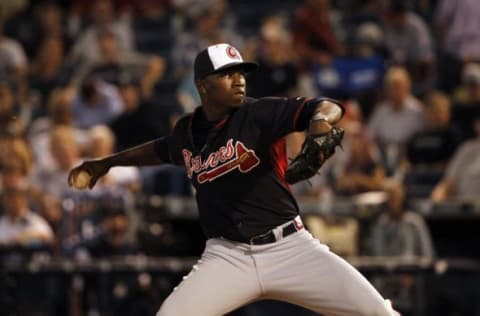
pixel 382 308
pixel 167 309
pixel 385 309
pixel 173 307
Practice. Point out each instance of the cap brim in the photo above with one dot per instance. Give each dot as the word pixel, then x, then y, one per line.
pixel 247 66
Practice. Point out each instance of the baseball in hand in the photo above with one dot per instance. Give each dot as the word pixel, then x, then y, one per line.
pixel 82 180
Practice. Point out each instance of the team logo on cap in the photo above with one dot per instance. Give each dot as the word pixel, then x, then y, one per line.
pixel 233 53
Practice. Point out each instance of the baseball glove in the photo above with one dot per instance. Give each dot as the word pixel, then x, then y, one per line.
pixel 315 151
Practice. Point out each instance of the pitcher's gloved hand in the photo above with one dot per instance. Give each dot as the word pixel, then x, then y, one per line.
pixel 315 151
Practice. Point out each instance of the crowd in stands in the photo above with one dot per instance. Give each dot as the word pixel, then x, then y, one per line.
pixel 83 79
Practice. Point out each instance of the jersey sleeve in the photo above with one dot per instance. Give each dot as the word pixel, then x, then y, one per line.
pixel 168 150
pixel 281 116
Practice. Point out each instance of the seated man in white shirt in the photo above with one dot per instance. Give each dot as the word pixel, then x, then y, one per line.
pixel 96 102
pixel 19 226
pixel 462 177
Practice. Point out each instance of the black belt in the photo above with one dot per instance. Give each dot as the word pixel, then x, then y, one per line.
pixel 269 237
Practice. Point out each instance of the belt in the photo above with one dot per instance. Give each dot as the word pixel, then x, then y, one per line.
pixel 278 232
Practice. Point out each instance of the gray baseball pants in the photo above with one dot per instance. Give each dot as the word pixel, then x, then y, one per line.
pixel 297 269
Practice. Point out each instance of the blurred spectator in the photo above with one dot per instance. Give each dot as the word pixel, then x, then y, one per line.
pixel 102 141
pixel 396 119
pixel 410 44
pixel 399 232
pixel 13 61
pixel 369 41
pixel 121 183
pixel 25 236
pixel 356 75
pixel 112 242
pixel 148 8
pixel 112 239
pixel 15 155
pixel 31 26
pixel 315 33
pixel 207 30
pixel 103 18
pixel 66 154
pixel 458 29
pixel 187 96
pixel 96 102
pixel 367 65
pixel 277 74
pixel 13 118
pixel 48 71
pixel 363 11
pixel 347 77
pixel 467 100
pixel 78 216
pixel 59 113
pixel 11 8
pixel 47 22
pixel 125 8
pixel 403 234
pixel 102 144
pixel 141 120
pixel 112 62
pixel 425 8
pixel 50 23
pixel 16 166
pixel 363 170
pixel 432 147
pixel 19 226
pixel 462 177
pixel 143 8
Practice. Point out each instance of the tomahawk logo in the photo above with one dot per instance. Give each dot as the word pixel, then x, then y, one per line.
pixel 225 159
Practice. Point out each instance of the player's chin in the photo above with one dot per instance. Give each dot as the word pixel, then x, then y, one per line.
pixel 237 99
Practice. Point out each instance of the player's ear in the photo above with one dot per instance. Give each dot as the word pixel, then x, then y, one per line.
pixel 200 84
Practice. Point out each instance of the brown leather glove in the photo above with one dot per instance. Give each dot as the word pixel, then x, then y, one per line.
pixel 314 153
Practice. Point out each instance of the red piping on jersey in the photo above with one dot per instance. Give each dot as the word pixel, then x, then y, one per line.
pixel 278 158
pixel 298 111
pixel 221 123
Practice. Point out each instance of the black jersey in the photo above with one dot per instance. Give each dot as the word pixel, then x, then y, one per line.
pixel 237 165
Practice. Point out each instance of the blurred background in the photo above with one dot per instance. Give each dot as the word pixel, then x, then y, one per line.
pixel 82 79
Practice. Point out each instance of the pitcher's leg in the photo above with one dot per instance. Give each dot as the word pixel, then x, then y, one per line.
pixel 223 280
pixel 319 280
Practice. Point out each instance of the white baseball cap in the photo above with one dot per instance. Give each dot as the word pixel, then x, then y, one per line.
pixel 216 58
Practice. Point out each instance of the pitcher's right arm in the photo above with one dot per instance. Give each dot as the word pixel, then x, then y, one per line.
pixel 146 154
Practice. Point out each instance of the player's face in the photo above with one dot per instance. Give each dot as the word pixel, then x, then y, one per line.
pixel 227 88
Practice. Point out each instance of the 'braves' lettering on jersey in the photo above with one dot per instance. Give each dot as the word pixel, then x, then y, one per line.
pixel 237 165
pixel 220 162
